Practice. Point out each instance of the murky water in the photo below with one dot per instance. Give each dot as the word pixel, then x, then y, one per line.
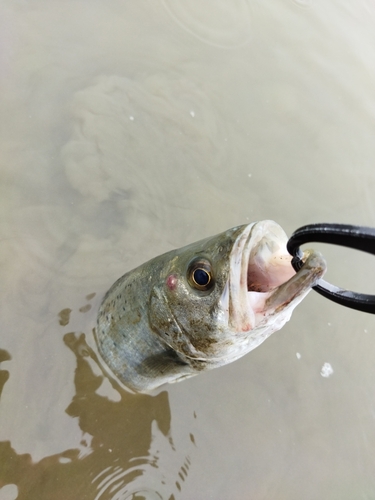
pixel 128 129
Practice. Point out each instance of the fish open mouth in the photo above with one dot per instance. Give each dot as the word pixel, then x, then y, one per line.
pixel 263 286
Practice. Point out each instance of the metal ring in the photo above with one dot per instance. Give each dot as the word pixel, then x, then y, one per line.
pixel 357 237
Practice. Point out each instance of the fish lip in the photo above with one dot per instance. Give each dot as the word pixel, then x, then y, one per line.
pixel 247 310
pixel 310 273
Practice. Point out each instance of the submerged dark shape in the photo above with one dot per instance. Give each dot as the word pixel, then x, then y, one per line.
pixel 201 306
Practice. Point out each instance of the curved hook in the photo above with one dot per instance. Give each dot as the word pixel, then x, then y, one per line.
pixel 346 235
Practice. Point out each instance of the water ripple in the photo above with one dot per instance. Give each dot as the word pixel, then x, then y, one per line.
pixel 221 24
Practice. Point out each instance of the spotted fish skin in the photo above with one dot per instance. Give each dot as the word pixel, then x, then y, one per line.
pixel 194 308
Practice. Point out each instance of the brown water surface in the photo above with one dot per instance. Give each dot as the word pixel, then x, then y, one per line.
pixel 131 128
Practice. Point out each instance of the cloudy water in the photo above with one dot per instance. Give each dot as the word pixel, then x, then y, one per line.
pixel 129 129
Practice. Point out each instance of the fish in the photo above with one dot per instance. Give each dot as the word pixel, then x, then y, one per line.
pixel 201 306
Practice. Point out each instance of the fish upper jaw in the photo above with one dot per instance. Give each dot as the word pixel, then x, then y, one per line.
pixel 263 288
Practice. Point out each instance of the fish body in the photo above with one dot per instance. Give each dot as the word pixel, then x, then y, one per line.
pixel 201 306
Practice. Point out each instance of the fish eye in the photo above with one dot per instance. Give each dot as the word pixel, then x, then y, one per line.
pixel 200 275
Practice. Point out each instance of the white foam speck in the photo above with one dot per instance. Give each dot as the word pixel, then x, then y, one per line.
pixel 249 175
pixel 326 370
pixel 192 113
pixel 131 118
pixel 9 492
pixel 298 355
pixel 329 324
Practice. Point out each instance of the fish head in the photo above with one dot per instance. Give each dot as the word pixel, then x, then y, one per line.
pixel 217 299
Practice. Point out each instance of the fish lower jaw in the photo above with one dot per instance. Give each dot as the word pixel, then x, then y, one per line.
pixel 244 342
pixel 253 310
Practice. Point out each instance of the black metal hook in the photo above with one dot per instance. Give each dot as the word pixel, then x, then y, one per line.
pixel 346 235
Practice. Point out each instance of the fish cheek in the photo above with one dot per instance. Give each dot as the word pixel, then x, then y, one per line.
pixel 160 318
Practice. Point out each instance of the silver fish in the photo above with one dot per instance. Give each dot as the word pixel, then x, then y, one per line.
pixel 201 306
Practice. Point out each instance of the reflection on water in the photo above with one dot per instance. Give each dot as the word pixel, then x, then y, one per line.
pixel 129 129
pixel 123 436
